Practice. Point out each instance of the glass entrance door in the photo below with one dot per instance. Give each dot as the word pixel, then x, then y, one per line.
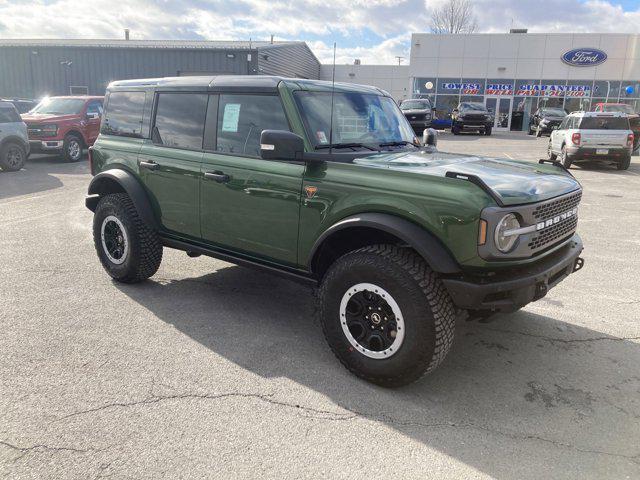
pixel 500 107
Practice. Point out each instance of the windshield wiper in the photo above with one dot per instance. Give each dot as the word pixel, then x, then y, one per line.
pixel 396 144
pixel 346 145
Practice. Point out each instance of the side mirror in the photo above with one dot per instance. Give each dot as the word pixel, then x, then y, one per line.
pixel 281 145
pixel 430 137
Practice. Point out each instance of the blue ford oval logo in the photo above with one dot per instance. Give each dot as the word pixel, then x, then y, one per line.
pixel 584 57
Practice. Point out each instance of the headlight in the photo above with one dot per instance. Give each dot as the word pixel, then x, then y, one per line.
pixel 505 242
pixel 49 130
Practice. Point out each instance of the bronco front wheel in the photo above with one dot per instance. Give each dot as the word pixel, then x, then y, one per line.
pixel 386 315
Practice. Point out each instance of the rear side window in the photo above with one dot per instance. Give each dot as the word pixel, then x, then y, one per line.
pixel 94 106
pixel 241 119
pixel 123 114
pixel 604 123
pixel 9 115
pixel 180 120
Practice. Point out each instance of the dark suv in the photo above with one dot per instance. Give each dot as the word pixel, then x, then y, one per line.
pixel 398 238
pixel 419 112
pixel 546 120
pixel 471 117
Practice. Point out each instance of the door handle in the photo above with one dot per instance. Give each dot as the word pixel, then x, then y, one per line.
pixel 149 165
pixel 218 176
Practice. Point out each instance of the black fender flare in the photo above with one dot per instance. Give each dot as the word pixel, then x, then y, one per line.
pixel 104 183
pixel 421 240
pixel 15 139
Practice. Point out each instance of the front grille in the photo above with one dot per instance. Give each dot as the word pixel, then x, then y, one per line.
pixel 551 209
pixel 414 117
pixel 553 233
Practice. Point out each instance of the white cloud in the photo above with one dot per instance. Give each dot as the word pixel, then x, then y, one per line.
pixel 376 31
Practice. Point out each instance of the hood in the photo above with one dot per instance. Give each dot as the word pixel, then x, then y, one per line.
pixel 45 117
pixel 514 182
pixel 552 117
pixel 413 111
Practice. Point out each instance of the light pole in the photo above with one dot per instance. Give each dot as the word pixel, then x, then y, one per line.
pixel 399 59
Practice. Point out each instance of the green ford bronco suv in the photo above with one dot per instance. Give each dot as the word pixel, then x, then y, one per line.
pixel 400 239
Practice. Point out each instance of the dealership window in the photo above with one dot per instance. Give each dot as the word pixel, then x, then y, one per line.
pixel 609 90
pixel 123 114
pixel 448 86
pixel 499 86
pixel 445 105
pixel 630 90
pixel 241 119
pixel 472 98
pixel 527 87
pixel 180 120
pixel 425 86
pixel 522 110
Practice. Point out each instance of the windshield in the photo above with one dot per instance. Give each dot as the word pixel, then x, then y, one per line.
pixel 618 108
pixel 59 106
pixel 415 105
pixel 604 123
pixel 472 106
pixel 554 112
pixel 357 118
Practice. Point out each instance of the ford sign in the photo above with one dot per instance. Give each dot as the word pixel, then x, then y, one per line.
pixel 584 57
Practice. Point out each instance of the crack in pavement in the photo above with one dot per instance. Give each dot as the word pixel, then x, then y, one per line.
pixel 327 415
pixel 26 450
pixel 563 340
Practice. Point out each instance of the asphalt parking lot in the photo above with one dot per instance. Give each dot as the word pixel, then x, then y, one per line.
pixel 210 370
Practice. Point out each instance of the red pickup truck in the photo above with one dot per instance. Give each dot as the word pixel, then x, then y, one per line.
pixel 64 125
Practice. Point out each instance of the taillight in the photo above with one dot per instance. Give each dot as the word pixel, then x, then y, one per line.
pixel 575 138
pixel 91 160
pixel 630 140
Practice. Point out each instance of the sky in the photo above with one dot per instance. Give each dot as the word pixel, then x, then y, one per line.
pixel 375 31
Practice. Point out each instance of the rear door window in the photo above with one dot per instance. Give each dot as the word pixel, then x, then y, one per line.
pixel 94 106
pixel 9 115
pixel 604 123
pixel 241 119
pixel 123 114
pixel 179 120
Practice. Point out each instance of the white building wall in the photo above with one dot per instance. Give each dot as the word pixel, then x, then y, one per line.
pixel 391 78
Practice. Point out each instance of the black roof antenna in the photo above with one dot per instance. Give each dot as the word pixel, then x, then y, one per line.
pixel 333 88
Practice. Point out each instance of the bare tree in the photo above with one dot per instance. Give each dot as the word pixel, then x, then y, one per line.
pixel 455 16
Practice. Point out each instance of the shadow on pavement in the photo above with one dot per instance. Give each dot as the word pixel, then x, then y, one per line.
pixel 526 396
pixel 38 175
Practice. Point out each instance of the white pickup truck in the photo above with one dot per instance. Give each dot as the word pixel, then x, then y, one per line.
pixel 604 136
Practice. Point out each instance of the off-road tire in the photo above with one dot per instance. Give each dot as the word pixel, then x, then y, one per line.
pixel 71 142
pixel 487 131
pixel 564 158
pixel 531 131
pixel 624 163
pixel 550 155
pixel 455 130
pixel 429 314
pixel 12 157
pixel 145 249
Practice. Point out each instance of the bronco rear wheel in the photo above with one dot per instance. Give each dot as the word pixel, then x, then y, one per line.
pixel 128 249
pixel 12 157
pixel 386 315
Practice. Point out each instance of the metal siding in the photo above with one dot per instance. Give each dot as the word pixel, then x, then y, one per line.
pixel 96 67
pixel 294 60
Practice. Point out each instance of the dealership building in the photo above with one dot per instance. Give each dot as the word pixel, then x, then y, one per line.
pixel 512 73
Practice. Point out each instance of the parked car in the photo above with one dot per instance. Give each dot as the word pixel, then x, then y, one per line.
pixel 64 125
pixel 471 117
pixel 419 112
pixel 398 238
pixel 23 105
pixel 14 143
pixel 545 120
pixel 592 136
pixel 634 118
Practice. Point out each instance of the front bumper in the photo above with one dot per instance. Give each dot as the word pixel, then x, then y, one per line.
pixel 511 289
pixel 45 146
pixel 584 153
pixel 472 125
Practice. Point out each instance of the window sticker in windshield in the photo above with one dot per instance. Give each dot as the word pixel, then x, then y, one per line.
pixel 230 118
pixel 321 136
